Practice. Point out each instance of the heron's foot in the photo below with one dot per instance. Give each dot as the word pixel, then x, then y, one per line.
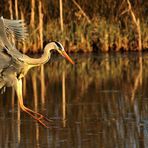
pixel 38 117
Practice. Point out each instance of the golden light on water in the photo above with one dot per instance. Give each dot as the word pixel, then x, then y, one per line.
pixel 87 101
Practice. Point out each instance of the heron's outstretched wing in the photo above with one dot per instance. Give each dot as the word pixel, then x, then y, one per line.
pixel 12 28
pixel 16 28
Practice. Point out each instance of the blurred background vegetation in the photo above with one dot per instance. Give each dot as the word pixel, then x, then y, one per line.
pixel 80 25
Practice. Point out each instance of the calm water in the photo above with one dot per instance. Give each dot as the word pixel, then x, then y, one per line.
pixel 101 102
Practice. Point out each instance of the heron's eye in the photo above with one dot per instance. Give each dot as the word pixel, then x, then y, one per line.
pixel 59 45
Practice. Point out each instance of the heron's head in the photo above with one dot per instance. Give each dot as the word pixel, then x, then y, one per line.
pixel 61 50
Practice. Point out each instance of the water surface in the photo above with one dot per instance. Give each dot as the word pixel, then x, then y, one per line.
pixel 102 101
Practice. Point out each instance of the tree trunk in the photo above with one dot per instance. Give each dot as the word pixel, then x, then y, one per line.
pixel 16 9
pixel 61 15
pixel 40 23
pixel 32 13
pixel 137 24
pixel 24 49
pixel 10 9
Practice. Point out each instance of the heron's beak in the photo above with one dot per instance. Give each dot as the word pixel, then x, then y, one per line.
pixel 63 53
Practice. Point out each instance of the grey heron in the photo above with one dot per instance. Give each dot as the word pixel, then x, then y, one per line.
pixel 14 65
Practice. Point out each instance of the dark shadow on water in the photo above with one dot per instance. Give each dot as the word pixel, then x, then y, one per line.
pixel 102 101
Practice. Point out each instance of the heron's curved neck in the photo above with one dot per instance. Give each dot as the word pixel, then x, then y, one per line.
pixel 43 59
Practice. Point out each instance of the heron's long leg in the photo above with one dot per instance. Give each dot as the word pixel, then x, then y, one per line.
pixel 37 116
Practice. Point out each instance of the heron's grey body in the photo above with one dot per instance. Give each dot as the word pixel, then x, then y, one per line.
pixel 9 70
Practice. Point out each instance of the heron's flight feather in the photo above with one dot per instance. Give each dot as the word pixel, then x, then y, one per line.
pixel 16 28
pixel 10 29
